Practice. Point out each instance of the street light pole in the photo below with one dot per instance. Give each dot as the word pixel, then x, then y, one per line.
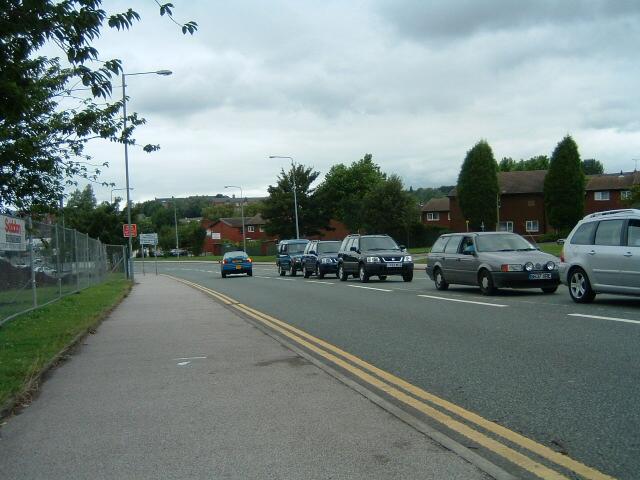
pixel 175 220
pixel 126 158
pixel 115 190
pixel 244 239
pixel 295 198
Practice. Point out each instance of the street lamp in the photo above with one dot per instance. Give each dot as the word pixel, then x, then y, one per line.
pixel 117 189
pixel 126 156
pixel 175 220
pixel 295 198
pixel 244 240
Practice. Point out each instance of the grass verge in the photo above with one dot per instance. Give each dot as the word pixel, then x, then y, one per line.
pixel 206 258
pixel 31 343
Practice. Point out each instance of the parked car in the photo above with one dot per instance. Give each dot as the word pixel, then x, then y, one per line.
pixel 602 255
pixel 236 263
pixel 491 260
pixel 320 257
pixel 364 256
pixel 290 256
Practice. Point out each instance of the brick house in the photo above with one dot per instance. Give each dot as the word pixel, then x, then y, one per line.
pixel 230 229
pixel 521 206
pixel 436 212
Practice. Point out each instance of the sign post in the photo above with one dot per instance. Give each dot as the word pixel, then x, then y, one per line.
pixel 149 239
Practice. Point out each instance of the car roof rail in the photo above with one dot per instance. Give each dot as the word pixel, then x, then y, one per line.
pixel 613 212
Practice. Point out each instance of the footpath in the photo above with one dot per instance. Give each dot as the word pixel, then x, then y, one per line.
pixel 175 386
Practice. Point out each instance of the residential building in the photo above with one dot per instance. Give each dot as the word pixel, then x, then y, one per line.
pixel 609 191
pixel 437 212
pixel 230 229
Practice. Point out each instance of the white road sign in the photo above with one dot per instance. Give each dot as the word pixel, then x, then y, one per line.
pixel 148 238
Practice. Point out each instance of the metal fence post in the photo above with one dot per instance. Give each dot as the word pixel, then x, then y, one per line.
pixel 58 271
pixel 34 293
pixel 75 244
pixel 87 261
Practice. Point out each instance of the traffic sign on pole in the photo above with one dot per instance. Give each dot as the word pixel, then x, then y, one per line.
pixel 148 239
pixel 125 230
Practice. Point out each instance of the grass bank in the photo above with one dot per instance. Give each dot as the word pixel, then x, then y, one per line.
pixel 30 342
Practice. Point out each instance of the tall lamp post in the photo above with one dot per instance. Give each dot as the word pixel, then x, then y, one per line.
pixel 295 198
pixel 244 239
pixel 175 220
pixel 126 155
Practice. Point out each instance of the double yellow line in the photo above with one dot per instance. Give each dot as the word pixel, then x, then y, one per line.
pixel 422 400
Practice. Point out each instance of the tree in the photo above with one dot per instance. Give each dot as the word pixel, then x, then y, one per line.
pixel 344 188
pixel 102 221
pixel 279 206
pixel 387 208
pixel 564 186
pixel 42 143
pixel 478 187
pixel 508 164
pixel 423 195
pixel 591 166
pixel 192 237
pixel 216 212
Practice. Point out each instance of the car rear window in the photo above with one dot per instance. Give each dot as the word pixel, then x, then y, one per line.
pixel 452 245
pixel 609 232
pixel 584 234
pixel 438 247
pixel 296 247
pixel 633 233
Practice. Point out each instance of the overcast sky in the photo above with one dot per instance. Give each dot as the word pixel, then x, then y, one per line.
pixel 415 83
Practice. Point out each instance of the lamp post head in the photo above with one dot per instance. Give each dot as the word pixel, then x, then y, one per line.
pixel 164 72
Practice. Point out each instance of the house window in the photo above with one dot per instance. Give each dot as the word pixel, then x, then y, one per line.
pixel 506 226
pixel 251 229
pixel 601 196
pixel 531 203
pixel 261 229
pixel 625 194
pixel 532 226
pixel 433 216
pixel 448 215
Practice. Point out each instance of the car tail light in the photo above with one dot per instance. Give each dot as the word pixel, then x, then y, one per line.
pixel 249 260
pixel 225 261
pixel 504 267
pixel 562 255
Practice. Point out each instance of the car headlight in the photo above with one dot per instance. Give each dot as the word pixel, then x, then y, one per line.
pixel 528 266
pixel 326 260
pixel 373 259
pixel 551 265
pixel 408 258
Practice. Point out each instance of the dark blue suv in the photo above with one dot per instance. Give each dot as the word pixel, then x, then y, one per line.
pixel 290 256
pixel 320 258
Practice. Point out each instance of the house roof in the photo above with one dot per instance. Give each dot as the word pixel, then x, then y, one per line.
pixel 527 181
pixel 437 205
pixel 613 181
pixel 236 222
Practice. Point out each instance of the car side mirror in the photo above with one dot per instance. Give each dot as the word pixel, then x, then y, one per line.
pixel 403 248
pixel 312 252
pixel 353 249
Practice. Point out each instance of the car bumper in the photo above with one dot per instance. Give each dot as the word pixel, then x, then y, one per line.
pixel 563 270
pixel 383 269
pixel 522 280
pixel 237 268
pixel 328 267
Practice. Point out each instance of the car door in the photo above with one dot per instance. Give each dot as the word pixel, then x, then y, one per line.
pixel 630 268
pixel 606 259
pixel 468 261
pixel 311 255
pixel 351 255
pixel 451 260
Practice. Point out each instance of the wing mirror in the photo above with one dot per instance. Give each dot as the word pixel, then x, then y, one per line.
pixel 353 249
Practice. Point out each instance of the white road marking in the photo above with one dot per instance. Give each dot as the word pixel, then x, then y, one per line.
pixel 612 319
pixel 262 276
pixel 321 283
pixel 370 288
pixel 190 358
pixel 182 364
pixel 463 301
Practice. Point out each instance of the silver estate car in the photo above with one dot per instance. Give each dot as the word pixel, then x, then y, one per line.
pixel 491 260
pixel 602 255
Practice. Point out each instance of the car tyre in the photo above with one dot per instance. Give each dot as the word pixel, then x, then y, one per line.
pixel 281 271
pixel 319 273
pixel 342 275
pixel 407 277
pixel 293 272
pixel 224 275
pixel 382 277
pixel 307 273
pixel 362 274
pixel 250 273
pixel 579 287
pixel 549 290
pixel 485 282
pixel 438 278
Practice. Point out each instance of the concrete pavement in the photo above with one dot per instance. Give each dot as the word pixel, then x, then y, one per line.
pixel 174 385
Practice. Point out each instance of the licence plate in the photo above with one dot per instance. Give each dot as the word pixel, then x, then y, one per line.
pixel 238 267
pixel 394 265
pixel 539 276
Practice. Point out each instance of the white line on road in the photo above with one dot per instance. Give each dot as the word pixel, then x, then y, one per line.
pixel 190 358
pixel 463 301
pixel 612 319
pixel 321 283
pixel 182 364
pixel 370 288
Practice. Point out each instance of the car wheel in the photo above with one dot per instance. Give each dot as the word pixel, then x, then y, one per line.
pixel 307 273
pixel 407 277
pixel 293 271
pixel 580 287
pixel 281 271
pixel 549 289
pixel 224 275
pixel 362 274
pixel 250 273
pixel 342 275
pixel 382 277
pixel 439 280
pixel 485 282
pixel 319 274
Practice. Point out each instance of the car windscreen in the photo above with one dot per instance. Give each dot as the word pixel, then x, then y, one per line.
pixel 296 247
pixel 328 247
pixel 235 255
pixel 378 243
pixel 507 242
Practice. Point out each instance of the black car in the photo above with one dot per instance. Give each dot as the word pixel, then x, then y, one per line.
pixel 320 257
pixel 364 256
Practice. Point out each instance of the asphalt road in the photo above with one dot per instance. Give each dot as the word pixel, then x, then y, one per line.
pixel 537 364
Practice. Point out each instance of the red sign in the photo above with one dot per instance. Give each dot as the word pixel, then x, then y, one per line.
pixel 11 226
pixel 125 230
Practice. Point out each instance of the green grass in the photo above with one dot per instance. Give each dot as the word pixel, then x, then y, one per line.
pixel 551 247
pixel 207 258
pixel 29 342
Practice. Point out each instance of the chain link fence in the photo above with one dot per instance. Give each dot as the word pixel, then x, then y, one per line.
pixel 41 263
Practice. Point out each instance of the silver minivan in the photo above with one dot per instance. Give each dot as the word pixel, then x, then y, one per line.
pixel 602 255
